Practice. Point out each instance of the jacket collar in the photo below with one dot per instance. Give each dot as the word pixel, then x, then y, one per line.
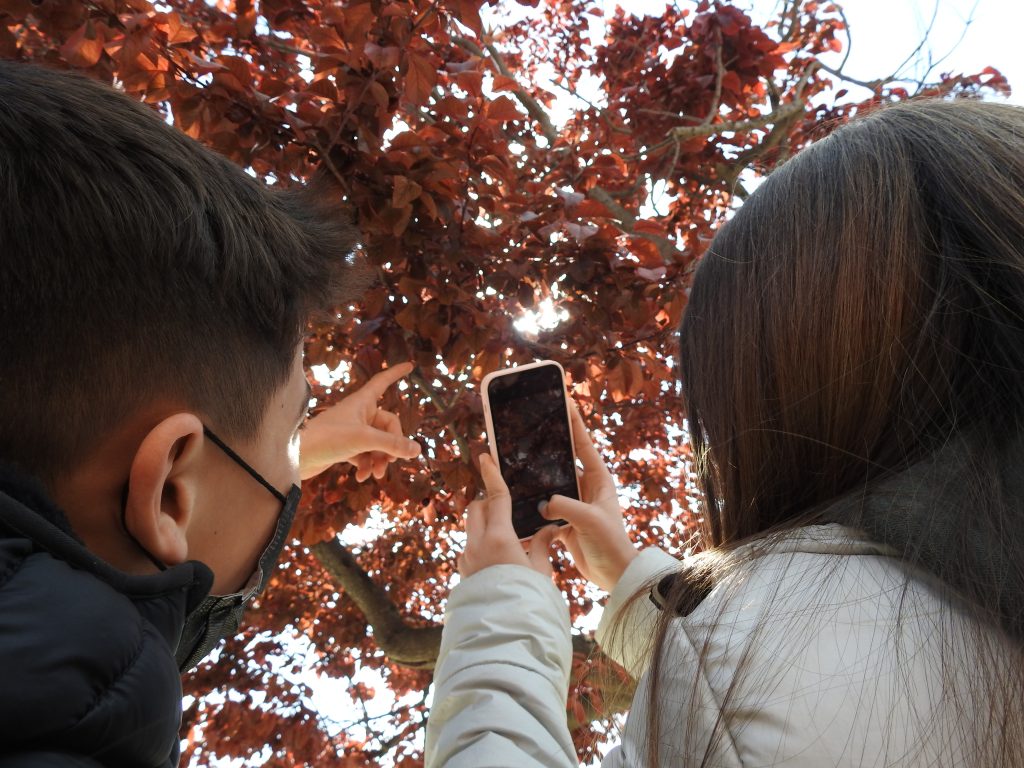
pixel 163 598
pixel 932 516
pixel 29 491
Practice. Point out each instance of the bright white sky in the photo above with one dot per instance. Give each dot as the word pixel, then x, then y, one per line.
pixel 884 32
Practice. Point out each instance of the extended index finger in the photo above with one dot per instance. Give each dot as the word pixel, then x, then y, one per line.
pixel 585 449
pixel 379 382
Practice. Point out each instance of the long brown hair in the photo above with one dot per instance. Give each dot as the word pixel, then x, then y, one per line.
pixel 862 313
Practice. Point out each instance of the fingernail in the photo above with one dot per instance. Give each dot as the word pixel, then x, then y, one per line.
pixel 542 507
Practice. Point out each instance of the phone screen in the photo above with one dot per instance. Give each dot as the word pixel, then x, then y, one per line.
pixel 533 441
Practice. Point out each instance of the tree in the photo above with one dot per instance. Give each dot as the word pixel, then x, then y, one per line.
pixel 477 206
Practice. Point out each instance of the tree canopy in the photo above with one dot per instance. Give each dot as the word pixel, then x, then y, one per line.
pixel 532 179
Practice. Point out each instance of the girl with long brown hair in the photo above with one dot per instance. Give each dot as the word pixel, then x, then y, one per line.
pixel 852 359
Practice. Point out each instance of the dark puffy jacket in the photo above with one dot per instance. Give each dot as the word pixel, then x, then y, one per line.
pixel 87 670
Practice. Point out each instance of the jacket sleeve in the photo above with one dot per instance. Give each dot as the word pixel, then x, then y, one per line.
pixel 502 676
pixel 627 625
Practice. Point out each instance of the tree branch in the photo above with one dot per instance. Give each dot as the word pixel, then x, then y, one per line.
pixel 404 644
pixel 627 224
pixel 687 132
pixel 790 13
pixel 716 98
pixel 897 73
pixel 623 214
pixel 442 408
pixel 530 104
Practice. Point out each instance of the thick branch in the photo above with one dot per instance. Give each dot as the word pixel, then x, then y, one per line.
pixel 686 132
pixel 623 214
pixel 778 136
pixel 410 646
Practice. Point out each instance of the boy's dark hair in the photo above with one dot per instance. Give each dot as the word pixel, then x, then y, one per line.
pixel 137 266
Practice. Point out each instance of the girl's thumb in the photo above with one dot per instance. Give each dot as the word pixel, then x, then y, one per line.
pixel 576 513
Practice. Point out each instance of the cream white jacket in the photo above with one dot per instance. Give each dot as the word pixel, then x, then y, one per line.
pixel 839 656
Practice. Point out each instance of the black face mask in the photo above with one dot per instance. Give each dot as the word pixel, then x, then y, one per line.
pixel 218 616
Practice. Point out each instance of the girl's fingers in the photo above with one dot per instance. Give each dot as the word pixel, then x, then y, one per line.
pixel 595 472
pixel 380 464
pixel 584 445
pixel 494 483
pixel 364 467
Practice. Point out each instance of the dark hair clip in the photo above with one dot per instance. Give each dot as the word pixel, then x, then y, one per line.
pixel 659 592
pixel 685 601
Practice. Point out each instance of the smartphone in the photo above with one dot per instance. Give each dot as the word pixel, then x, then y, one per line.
pixel 526 410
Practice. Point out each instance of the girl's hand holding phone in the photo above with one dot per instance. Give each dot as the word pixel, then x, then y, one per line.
pixel 596 536
pixel 490 537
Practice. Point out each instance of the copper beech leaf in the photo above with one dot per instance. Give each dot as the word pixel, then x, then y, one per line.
pixel 505 83
pixel 84 47
pixel 405 191
pixel 468 12
pixel 420 78
pixel 503 109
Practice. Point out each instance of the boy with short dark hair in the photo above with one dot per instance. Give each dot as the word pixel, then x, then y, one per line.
pixel 153 299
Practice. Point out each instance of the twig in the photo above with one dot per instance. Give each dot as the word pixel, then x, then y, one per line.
pixel 530 104
pixel 790 13
pixel 442 407
pixel 716 99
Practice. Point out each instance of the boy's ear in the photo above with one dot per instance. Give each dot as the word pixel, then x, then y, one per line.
pixel 162 487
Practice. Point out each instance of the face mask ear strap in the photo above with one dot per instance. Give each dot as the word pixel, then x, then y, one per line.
pixel 243 464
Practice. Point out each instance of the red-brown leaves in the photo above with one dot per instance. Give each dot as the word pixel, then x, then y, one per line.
pixel 420 78
pixel 502 109
pixel 84 47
